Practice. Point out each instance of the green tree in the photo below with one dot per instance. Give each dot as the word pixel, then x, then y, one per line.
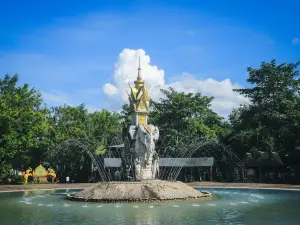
pixel 126 115
pixel 68 122
pixel 182 117
pixel 76 134
pixel 105 128
pixel 270 122
pixel 23 125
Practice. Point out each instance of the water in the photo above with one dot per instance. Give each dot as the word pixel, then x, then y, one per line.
pixel 204 148
pixel 229 206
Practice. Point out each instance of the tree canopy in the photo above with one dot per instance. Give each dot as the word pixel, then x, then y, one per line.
pixel 180 115
pixel 23 125
pixel 270 122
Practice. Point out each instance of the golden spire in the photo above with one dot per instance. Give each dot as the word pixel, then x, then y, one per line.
pixel 139 77
pixel 139 81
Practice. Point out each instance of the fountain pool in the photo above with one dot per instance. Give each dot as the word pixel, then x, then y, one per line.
pixel 229 206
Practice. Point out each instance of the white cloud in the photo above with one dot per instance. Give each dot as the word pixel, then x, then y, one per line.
pixel 225 99
pixel 126 71
pixel 296 41
pixel 110 89
pixel 92 109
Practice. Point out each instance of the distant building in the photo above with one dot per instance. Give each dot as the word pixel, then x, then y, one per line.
pixel 264 167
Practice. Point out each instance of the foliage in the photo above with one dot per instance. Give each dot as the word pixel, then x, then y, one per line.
pixel 270 122
pixel 5 171
pixel 69 158
pixel 126 115
pixel 22 124
pixel 182 117
pixel 16 179
pixel 75 123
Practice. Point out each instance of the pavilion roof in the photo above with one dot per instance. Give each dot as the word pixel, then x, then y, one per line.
pixel 260 158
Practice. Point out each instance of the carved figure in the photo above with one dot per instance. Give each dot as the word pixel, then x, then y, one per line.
pixel 28 173
pixel 52 174
pixel 143 145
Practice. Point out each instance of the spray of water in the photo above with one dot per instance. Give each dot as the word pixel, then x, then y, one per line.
pixel 226 162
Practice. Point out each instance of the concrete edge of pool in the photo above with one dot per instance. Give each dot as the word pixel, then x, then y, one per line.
pixel 45 187
pixel 243 187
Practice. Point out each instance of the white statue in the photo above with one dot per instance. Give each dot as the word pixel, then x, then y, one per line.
pixel 142 135
pixel 146 160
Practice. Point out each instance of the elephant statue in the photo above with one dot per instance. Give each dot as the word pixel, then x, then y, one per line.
pixel 28 173
pixel 146 160
pixel 52 174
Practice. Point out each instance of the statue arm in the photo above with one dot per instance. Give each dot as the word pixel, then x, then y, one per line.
pixel 132 132
pixel 155 133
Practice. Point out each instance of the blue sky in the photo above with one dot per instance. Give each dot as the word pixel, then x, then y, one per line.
pixel 67 50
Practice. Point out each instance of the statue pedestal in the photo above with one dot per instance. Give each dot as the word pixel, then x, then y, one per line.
pixel 146 174
pixel 144 191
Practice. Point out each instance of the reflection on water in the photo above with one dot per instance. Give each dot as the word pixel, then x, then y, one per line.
pixel 230 206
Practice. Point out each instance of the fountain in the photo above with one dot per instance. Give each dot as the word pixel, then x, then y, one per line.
pixel 145 186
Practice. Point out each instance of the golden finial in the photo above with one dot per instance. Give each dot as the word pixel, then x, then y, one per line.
pixel 139 77
pixel 139 81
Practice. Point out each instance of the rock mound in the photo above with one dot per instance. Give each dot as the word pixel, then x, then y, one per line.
pixel 144 191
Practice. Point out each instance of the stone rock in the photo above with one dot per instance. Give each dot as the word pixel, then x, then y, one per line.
pixel 144 191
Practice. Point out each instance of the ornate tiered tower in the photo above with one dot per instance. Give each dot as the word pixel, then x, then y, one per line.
pixel 143 135
pixel 139 100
